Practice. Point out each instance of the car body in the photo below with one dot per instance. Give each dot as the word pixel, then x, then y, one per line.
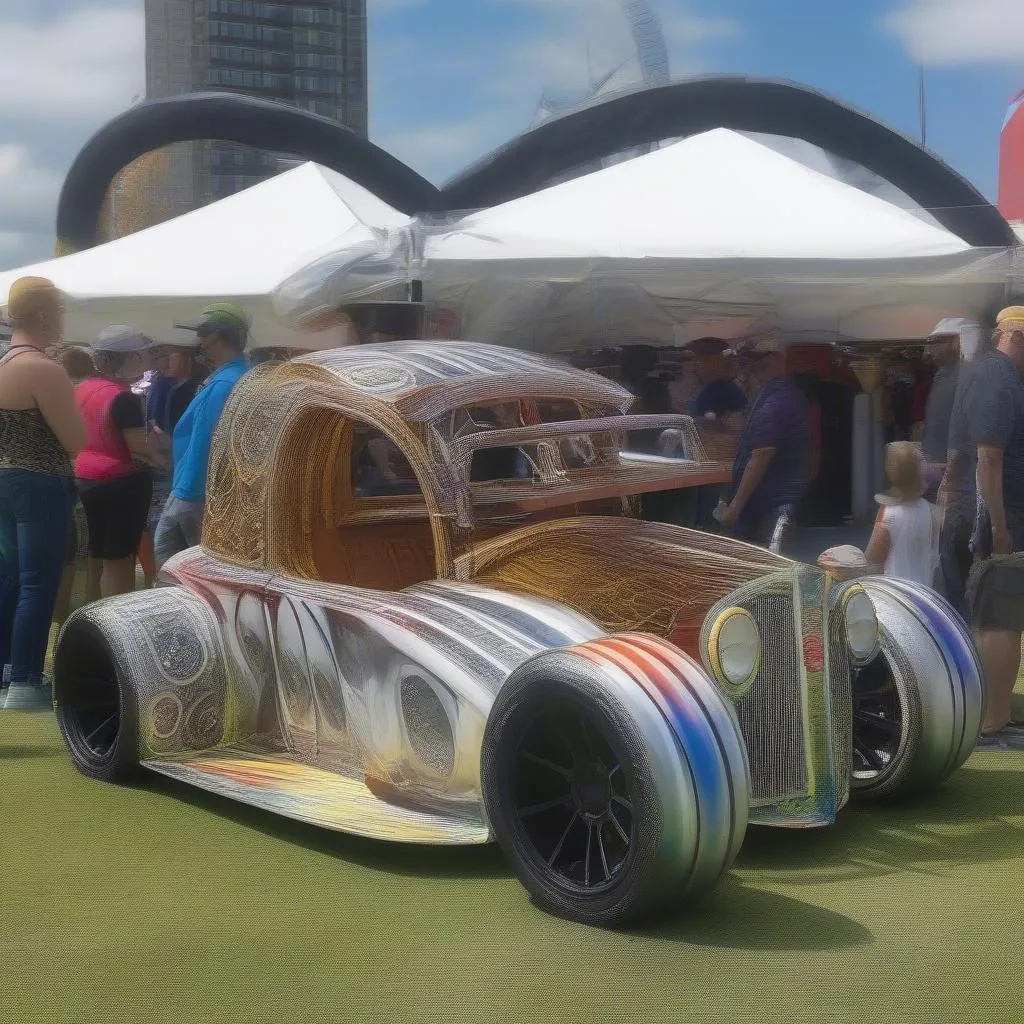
pixel 422 570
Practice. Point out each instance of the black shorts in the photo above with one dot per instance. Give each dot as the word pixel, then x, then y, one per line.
pixel 995 593
pixel 116 514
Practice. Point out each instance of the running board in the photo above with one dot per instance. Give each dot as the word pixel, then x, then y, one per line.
pixel 317 797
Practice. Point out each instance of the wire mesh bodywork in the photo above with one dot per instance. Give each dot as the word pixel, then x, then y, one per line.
pixel 364 592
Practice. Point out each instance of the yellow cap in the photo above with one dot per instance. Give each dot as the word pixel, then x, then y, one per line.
pixel 1012 316
pixel 31 295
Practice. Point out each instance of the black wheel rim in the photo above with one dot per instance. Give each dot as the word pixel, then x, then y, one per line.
pixel 877 720
pixel 96 710
pixel 572 798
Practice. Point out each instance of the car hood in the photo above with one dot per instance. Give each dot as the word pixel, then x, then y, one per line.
pixel 622 573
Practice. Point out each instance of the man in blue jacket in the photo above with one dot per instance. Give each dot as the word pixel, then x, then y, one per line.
pixel 223 334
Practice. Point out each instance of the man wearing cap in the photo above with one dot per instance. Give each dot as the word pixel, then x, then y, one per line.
pixel 772 470
pixel 720 396
pixel 222 335
pixel 986 446
pixel 943 350
pixel 719 404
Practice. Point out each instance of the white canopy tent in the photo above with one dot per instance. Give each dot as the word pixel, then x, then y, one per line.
pixel 240 248
pixel 719 233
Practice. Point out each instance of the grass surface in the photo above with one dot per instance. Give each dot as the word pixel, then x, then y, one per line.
pixel 161 903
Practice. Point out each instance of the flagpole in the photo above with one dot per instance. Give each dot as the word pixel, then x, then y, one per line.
pixel 923 103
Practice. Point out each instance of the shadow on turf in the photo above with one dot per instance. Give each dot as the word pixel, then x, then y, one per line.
pixel 411 860
pixel 961 822
pixel 738 916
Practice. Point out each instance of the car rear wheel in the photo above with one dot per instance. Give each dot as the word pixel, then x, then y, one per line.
pixel 97 714
pixel 608 808
pixel 918 704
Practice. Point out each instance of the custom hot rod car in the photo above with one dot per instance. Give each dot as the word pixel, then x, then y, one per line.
pixel 425 610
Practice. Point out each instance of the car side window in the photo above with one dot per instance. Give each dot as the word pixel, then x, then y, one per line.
pixel 379 469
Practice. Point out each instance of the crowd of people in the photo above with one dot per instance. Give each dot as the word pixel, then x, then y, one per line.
pixel 77 428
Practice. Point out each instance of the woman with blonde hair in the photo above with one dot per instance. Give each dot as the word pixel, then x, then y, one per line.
pixel 905 540
pixel 40 429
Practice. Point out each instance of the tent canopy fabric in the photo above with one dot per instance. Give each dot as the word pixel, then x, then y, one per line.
pixel 719 232
pixel 718 195
pixel 239 248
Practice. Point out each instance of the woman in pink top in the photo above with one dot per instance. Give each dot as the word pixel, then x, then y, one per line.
pixel 113 468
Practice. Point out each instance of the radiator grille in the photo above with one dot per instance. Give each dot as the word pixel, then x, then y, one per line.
pixel 771 713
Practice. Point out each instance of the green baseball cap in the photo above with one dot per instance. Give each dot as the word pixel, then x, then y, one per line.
pixel 223 317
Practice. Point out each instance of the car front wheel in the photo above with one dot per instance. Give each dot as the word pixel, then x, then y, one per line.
pixel 615 779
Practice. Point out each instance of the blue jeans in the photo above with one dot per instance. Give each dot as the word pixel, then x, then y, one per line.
pixel 35 516
pixel 180 527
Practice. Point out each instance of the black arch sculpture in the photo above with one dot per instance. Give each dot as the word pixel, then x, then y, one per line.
pixel 229 117
pixel 528 162
pixel 687 108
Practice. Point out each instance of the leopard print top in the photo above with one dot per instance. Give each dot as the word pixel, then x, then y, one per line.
pixel 27 442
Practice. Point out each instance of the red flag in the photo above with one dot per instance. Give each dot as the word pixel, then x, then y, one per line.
pixel 1011 162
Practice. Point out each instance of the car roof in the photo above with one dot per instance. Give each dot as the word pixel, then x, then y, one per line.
pixel 394 371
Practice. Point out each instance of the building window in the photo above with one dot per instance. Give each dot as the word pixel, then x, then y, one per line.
pixel 282 61
pixel 250 9
pixel 318 61
pixel 309 16
pixel 230 30
pixel 318 83
pixel 241 158
pixel 228 184
pixel 235 54
pixel 274 36
pixel 309 37
pixel 325 108
pixel 232 79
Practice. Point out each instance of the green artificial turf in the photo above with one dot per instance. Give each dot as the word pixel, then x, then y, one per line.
pixel 161 903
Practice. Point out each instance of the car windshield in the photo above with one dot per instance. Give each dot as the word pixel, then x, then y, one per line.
pixel 378 466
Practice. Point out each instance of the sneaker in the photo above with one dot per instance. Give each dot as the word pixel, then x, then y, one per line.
pixel 29 697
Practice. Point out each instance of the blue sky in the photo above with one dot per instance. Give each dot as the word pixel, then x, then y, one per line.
pixel 451 79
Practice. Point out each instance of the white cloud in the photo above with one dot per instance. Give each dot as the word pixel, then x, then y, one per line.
pixel 575 43
pixel 66 68
pixel 86 63
pixel 28 191
pixel 581 41
pixel 952 32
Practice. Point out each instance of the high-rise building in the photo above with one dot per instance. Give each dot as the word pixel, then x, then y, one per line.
pixel 306 53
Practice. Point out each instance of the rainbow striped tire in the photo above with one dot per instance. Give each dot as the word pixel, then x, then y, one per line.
pixel 615 779
pixel 918 706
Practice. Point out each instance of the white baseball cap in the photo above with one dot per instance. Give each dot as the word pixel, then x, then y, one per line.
pixel 122 338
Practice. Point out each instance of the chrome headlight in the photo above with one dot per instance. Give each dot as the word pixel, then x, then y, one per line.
pixel 861 625
pixel 734 648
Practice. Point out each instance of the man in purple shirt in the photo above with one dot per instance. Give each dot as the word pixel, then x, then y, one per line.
pixel 772 470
